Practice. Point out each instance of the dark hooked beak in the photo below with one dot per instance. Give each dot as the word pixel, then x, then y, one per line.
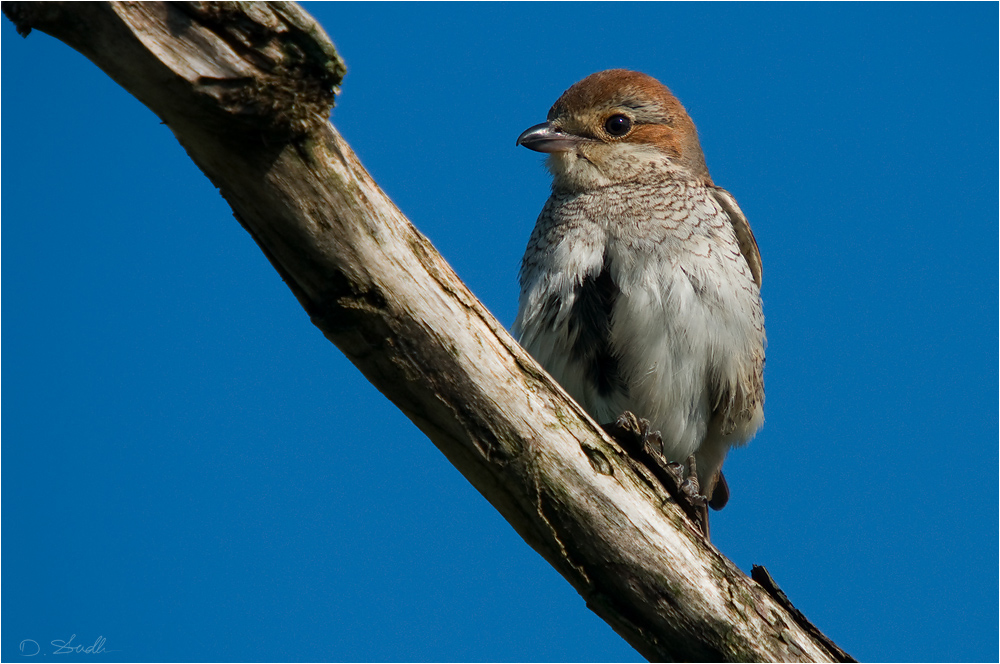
pixel 546 138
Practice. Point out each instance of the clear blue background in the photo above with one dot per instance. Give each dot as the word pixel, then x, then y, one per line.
pixel 192 472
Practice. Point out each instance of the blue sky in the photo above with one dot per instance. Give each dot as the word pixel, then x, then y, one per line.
pixel 192 472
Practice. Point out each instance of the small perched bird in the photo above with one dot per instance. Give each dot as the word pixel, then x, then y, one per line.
pixel 640 286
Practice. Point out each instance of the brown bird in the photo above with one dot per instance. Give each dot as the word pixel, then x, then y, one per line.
pixel 640 286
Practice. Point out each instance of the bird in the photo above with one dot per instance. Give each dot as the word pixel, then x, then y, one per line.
pixel 640 284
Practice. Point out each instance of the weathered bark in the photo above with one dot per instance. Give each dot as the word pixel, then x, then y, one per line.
pixel 247 89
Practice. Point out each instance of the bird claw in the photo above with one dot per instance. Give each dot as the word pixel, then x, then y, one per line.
pixel 697 501
pixel 690 486
pixel 646 447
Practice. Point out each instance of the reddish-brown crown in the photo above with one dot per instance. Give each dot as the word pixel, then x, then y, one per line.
pixel 659 118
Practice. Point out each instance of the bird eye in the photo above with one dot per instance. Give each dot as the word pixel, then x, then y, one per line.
pixel 618 125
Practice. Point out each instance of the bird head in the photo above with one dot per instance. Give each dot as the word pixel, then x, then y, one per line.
pixel 617 126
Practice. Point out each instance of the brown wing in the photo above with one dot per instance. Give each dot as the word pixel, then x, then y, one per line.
pixel 748 247
pixel 748 244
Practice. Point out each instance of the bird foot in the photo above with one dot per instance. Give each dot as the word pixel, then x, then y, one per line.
pixel 691 490
pixel 645 446
pixel 690 486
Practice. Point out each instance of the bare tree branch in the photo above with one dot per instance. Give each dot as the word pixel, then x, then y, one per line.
pixel 247 89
